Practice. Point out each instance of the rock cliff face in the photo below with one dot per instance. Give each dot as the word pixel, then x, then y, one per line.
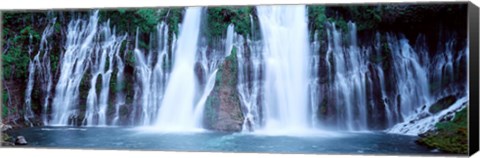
pixel 223 109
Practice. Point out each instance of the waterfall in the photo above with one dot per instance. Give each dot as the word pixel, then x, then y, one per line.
pixel 445 66
pixel 412 81
pixel 249 86
pixel 415 88
pixel 84 48
pixel 74 64
pixel 314 85
pixel 103 55
pixel 177 107
pixel 120 86
pixel 286 81
pixel 41 67
pixel 249 81
pixel 28 92
pixel 152 75
pixel 210 67
pixel 349 80
pixel 351 75
pixel 46 74
pixel 286 54
pixel 87 47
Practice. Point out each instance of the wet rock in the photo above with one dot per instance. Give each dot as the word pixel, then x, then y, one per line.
pixel 422 116
pixel 4 127
pixel 442 104
pixel 8 144
pixel 223 109
pixel 21 140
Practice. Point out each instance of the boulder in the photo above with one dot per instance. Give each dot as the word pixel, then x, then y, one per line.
pixel 4 127
pixel 21 140
pixel 223 108
pixel 442 104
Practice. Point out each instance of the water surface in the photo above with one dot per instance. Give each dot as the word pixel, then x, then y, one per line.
pixel 139 139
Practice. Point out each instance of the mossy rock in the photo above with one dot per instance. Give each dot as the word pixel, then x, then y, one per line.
pixel 442 104
pixel 222 108
pixel 450 137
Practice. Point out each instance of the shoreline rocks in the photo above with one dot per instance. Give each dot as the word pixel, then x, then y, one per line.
pixel 20 140
pixel 4 127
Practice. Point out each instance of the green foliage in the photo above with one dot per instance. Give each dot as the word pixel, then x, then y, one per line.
pixel 218 19
pixel 4 110
pixel 21 34
pixel 15 62
pixel 149 16
pixel 451 136
pixel 366 17
pixel 172 16
pixel 130 58
pixel 459 122
pixel 316 17
pixel 128 20
pixel 340 23
pixel 316 14
pixel 6 137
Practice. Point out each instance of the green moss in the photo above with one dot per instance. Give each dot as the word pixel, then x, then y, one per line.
pixel 218 77
pixel 6 137
pixel 374 58
pixel 232 61
pixel 210 112
pixel 323 107
pixel 4 107
pixel 451 136
pixel 442 104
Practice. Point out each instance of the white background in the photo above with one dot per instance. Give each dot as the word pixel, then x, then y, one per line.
pixel 68 153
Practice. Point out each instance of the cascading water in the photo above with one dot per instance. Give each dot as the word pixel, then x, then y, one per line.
pixel 249 82
pixel 104 53
pixel 412 80
pixel 209 65
pixel 314 86
pixel 445 68
pixel 441 67
pixel 359 79
pixel 286 54
pixel 284 82
pixel 74 64
pixel 152 75
pixel 349 80
pixel 28 92
pixel 120 85
pixel 389 111
pixel 249 86
pixel 41 67
pixel 177 108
